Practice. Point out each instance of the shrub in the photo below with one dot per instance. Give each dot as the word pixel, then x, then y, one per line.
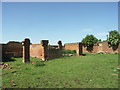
pixel 68 51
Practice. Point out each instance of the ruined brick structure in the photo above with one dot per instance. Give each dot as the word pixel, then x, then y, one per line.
pixel 74 46
pixel 103 47
pixel 26 50
pixel 39 50
pixel 36 50
pixel 100 47
pixel 45 51
pixel 12 49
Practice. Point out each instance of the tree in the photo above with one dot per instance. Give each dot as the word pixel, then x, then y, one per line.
pixel 113 38
pixel 99 40
pixel 89 40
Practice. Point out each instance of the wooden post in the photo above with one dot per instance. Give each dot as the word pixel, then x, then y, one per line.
pixel 26 50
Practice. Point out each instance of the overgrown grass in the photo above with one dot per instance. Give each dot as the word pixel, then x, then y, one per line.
pixel 90 71
pixel 68 51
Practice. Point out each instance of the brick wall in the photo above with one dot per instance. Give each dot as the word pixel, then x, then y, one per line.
pixel 36 50
pixel 53 53
pixel 98 47
pixel 90 49
pixel 102 47
pixel 12 49
pixel 74 46
pixel 44 52
pixel 15 49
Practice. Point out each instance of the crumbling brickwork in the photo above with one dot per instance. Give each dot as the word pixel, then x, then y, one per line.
pixel 97 48
pixel 36 50
pixel 45 51
pixel 53 53
pixel 11 49
pixel 92 49
pixel 74 46
pixel 103 47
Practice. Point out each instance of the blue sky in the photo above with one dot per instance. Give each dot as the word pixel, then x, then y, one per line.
pixel 69 22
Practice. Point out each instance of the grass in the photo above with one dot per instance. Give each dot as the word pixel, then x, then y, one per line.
pixel 90 71
pixel 68 51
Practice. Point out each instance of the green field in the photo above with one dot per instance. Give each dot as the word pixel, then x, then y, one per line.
pixel 90 71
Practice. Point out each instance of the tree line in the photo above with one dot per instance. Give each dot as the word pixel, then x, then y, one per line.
pixel 113 39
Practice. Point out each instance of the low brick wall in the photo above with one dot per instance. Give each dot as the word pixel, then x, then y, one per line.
pixel 97 48
pixel 36 50
pixel 105 48
pixel 53 53
pixel 74 46
pixel 12 49
pixel 44 52
pixel 93 49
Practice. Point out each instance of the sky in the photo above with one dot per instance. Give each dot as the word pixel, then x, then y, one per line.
pixel 66 21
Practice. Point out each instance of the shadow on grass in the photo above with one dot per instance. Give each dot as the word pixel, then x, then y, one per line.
pixel 8 60
pixel 83 54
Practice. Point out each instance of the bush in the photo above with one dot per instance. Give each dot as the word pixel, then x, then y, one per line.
pixel 68 51
pixel 40 63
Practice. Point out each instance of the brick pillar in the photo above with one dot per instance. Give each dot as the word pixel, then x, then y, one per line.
pixel 45 49
pixel 26 50
pixel 80 51
pixel 60 45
